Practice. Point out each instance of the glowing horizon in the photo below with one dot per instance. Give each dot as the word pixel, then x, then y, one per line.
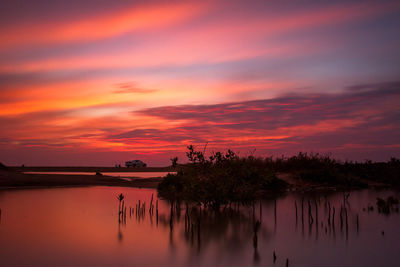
pixel 89 83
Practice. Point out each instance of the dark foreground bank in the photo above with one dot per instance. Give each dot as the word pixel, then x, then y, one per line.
pixel 16 179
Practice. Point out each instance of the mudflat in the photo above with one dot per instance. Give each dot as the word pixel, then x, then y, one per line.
pixel 13 178
pixel 88 169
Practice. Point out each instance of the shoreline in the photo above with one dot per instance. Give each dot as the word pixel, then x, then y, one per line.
pixel 86 169
pixel 13 180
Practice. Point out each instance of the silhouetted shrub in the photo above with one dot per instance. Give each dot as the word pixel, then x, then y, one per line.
pixel 3 167
pixel 388 206
pixel 322 169
pixel 220 179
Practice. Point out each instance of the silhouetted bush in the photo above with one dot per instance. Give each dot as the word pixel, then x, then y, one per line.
pixel 220 179
pixel 388 206
pixel 322 169
pixel 3 167
pixel 331 176
pixel 225 177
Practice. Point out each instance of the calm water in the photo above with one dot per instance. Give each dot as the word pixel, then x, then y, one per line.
pixel 114 174
pixel 79 226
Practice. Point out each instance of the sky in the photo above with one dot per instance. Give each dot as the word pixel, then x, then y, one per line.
pixel 96 82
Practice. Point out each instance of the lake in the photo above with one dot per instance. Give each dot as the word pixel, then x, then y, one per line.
pixel 81 227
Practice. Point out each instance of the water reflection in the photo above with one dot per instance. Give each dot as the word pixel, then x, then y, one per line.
pixel 89 226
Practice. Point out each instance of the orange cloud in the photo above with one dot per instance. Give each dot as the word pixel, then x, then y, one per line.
pixel 225 39
pixel 102 26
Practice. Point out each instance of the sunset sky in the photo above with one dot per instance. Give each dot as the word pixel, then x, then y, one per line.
pixel 98 82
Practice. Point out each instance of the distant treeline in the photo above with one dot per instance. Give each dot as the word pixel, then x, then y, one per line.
pixel 225 177
pixel 323 169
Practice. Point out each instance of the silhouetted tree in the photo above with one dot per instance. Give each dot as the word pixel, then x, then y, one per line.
pixel 174 162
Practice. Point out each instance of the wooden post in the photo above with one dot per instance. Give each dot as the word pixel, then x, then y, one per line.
pixel 316 212
pixel 357 222
pixel 329 213
pixel 341 218
pixel 151 203
pixel 157 211
pixel 347 225
pixel 198 233
pixel 302 211
pixel 310 217
pixel 275 211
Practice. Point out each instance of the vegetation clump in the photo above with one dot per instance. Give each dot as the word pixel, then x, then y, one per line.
pixel 225 177
pixel 220 179
pixel 325 170
pixel 387 206
pixel 3 167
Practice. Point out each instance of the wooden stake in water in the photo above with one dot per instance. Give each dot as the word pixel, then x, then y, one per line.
pixel 347 225
pixel 198 233
pixel 329 213
pixel 275 212
pixel 310 217
pixel 357 222
pixel 151 203
pixel 316 212
pixel 171 216
pixel 341 218
pixel 316 219
pixel 157 212
pixel 302 211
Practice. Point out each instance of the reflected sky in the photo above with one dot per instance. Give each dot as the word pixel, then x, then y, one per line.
pixel 79 226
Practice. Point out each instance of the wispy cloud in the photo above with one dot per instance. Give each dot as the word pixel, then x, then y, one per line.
pixel 132 88
pixel 366 120
pixel 100 26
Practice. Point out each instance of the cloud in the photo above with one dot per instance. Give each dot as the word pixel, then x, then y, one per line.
pixel 131 87
pixel 100 26
pixel 246 34
pixel 351 123
pixel 283 111
pixel 368 117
